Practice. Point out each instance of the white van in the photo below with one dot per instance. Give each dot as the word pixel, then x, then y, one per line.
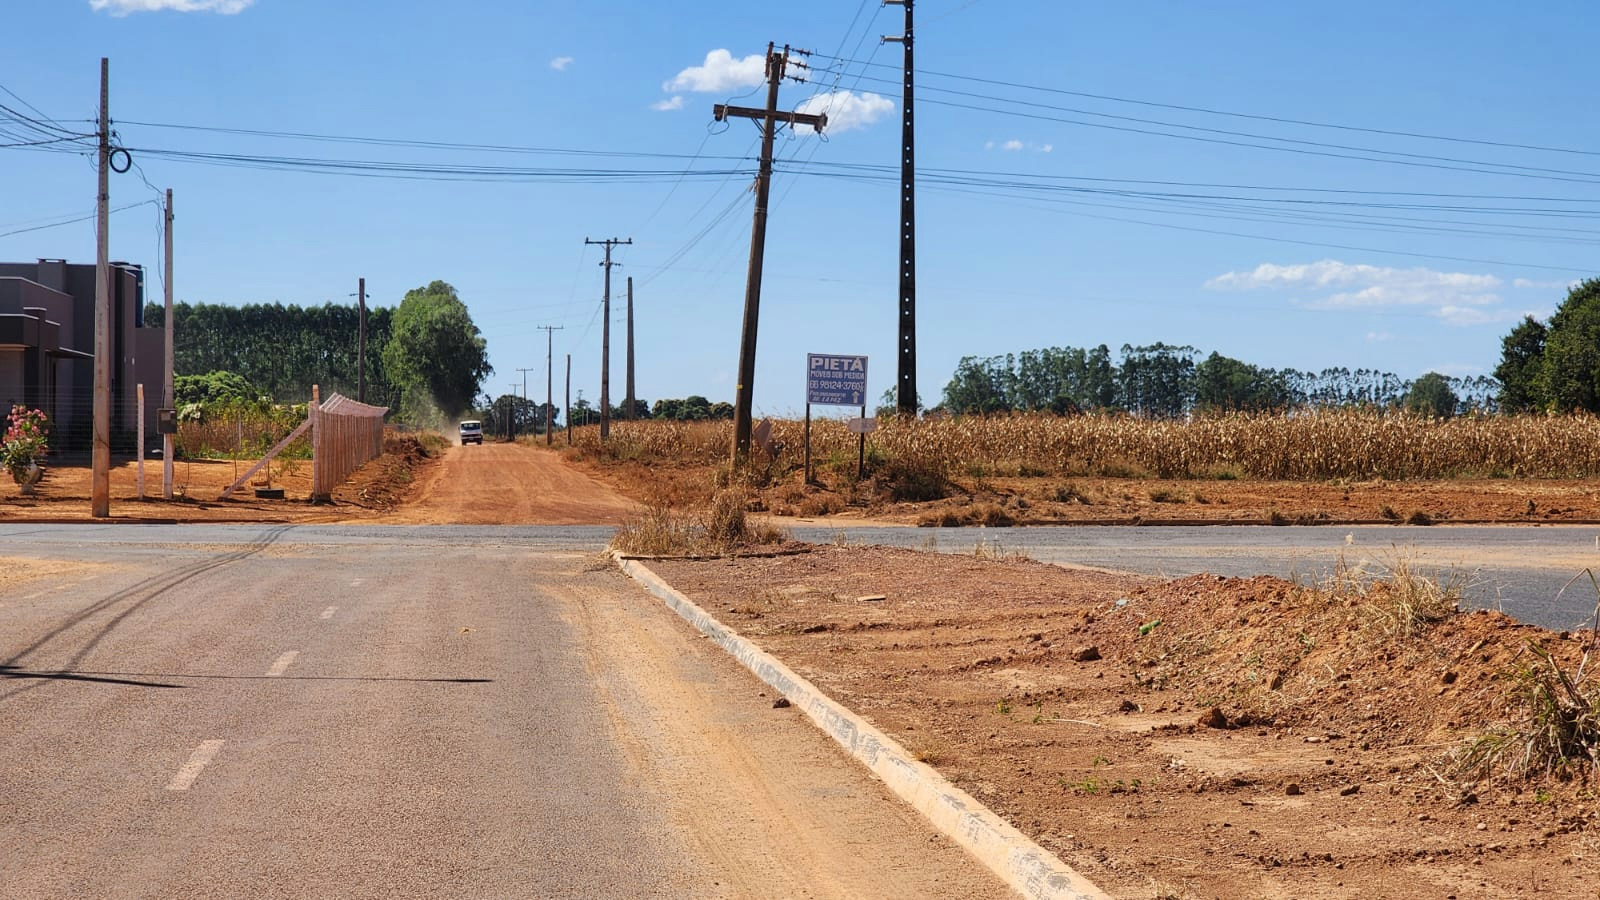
pixel 472 432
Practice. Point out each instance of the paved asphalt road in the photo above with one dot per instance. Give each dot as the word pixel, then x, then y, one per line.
pixel 1518 569
pixel 195 711
pixel 477 711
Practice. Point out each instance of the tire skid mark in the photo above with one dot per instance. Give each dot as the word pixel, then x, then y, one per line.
pixel 133 597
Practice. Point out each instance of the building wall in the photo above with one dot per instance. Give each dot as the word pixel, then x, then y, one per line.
pixel 10 380
pixel 62 295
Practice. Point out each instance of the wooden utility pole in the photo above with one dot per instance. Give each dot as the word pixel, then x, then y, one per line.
pixel 511 418
pixel 100 488
pixel 361 342
pixel 906 385
pixel 777 66
pixel 605 339
pixel 629 412
pixel 524 385
pixel 168 399
pixel 549 373
pixel 569 399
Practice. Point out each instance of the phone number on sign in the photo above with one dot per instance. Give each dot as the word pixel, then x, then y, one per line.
pixel 837 385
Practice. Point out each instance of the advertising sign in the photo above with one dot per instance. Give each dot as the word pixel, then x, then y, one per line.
pixel 836 380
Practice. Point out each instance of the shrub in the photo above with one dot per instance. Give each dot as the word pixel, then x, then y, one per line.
pixel 26 441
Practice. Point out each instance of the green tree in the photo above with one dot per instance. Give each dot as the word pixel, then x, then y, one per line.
pixel 1224 383
pixel 435 355
pixel 641 409
pixel 1158 380
pixel 693 408
pixel 281 350
pixel 1521 356
pixel 1569 368
pixel 1431 395
pixel 978 386
pixel 213 388
pixel 889 403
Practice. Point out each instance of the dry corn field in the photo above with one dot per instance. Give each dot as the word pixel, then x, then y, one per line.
pixel 1306 446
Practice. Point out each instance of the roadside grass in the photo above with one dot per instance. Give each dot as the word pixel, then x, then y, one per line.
pixel 1558 730
pixel 1388 599
pixel 433 443
pixel 718 527
pixel 1555 732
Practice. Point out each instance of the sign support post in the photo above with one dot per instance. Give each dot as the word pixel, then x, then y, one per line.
pixel 808 443
pixel 861 450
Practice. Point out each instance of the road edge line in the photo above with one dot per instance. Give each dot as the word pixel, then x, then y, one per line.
pixel 1022 864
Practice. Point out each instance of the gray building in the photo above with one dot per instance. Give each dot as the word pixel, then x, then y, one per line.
pixel 47 349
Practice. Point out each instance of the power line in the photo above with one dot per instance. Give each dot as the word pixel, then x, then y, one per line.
pixel 73 221
pixel 1302 147
pixel 1344 221
pixel 1261 237
pixel 432 172
pixel 419 144
pixel 1282 120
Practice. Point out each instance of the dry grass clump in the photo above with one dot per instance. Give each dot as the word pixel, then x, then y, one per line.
pixel 717 528
pixel 1399 602
pixel 1559 731
pixel 986 514
pixel 657 531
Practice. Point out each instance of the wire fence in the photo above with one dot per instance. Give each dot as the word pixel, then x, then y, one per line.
pixel 345 435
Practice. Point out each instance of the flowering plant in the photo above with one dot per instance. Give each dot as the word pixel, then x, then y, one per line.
pixel 25 443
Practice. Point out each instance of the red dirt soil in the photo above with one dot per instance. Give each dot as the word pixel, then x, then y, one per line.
pixel 1342 787
pixel 493 483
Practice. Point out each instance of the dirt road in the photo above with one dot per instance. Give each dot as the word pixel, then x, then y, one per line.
pixel 488 484
pixel 508 484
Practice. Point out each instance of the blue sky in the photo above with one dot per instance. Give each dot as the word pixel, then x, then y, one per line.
pixel 1418 255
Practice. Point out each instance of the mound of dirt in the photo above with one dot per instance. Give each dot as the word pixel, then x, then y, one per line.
pixel 384 483
pixel 1204 736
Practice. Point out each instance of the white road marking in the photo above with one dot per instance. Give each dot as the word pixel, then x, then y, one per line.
pixel 328 613
pixel 282 663
pixel 191 769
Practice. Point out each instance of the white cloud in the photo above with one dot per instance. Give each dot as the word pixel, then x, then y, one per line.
pixel 126 7
pixel 1469 315
pixel 1544 285
pixel 1459 298
pixel 720 72
pixel 671 103
pixel 845 110
pixel 1379 337
pixel 1016 146
pixel 560 63
pixel 1332 273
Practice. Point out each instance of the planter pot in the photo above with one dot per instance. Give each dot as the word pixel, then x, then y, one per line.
pixel 30 480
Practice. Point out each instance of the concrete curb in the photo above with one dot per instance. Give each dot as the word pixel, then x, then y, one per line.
pixel 1025 866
